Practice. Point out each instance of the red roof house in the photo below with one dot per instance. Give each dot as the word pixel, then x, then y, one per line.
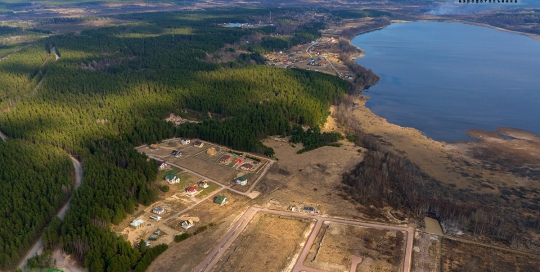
pixel 191 189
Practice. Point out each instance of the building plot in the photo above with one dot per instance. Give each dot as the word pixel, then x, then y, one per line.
pixel 426 252
pixel 338 245
pixel 269 243
pixel 342 244
pixel 219 173
pixel 460 256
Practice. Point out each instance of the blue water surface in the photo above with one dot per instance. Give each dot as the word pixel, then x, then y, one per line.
pixel 446 78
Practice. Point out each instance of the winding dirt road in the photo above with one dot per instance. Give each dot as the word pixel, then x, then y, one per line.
pixel 38 246
pixel 3 136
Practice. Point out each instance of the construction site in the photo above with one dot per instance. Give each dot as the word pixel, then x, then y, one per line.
pixel 204 182
pixel 321 55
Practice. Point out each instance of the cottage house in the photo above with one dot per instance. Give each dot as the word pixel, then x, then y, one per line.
pixel 137 224
pixel 172 178
pixel 176 153
pixel 162 166
pixel 185 141
pixel 198 144
pixel 186 224
pixel 308 209
pixel 246 166
pixel 225 159
pixel 158 210
pixel 241 181
pixel 191 189
pixel 220 199
pixel 211 151
pixel 203 184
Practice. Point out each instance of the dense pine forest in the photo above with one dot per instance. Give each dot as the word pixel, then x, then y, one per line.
pixel 97 94
pixel 35 182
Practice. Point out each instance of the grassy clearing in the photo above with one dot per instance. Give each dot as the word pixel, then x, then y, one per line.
pixel 211 187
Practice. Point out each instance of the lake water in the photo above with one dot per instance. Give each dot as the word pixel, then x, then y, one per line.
pixel 446 78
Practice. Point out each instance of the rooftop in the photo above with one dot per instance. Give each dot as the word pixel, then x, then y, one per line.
pixel 137 222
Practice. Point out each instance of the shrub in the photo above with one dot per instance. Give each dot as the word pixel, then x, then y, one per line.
pixel 200 229
pixel 181 237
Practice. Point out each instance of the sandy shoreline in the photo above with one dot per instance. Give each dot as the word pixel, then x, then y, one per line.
pixel 430 155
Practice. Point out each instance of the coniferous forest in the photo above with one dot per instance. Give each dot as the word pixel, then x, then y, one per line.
pixel 98 94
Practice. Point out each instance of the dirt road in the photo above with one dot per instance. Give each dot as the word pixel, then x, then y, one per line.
pixel 38 246
pixel 226 242
pixel 491 246
pixel 3 136
pixel 217 253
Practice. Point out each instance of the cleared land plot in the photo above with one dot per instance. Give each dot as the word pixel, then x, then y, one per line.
pixel 206 191
pixel 458 256
pixel 269 243
pixel 425 255
pixel 210 212
pixel 336 244
pixel 159 152
pixel 251 177
pixel 222 174
pixel 210 157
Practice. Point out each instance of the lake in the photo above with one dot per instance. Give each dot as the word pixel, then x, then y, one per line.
pixel 446 78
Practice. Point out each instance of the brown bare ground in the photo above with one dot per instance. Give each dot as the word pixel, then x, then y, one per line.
pixel 459 256
pixel 446 162
pixel 381 250
pixel 426 252
pixel 312 177
pixel 269 243
pixel 210 212
pixel 186 255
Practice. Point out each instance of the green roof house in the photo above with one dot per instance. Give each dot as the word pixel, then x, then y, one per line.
pixel 220 199
pixel 172 178
pixel 241 180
